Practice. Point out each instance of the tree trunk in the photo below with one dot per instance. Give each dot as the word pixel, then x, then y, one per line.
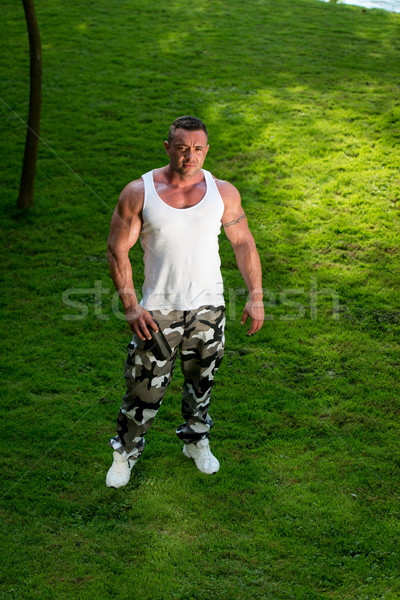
pixel 25 198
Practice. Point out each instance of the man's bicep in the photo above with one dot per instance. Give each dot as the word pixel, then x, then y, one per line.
pixel 233 211
pixel 126 223
pixel 234 219
pixel 237 218
pixel 238 232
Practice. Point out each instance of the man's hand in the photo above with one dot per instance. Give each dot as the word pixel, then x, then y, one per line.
pixel 139 320
pixel 255 310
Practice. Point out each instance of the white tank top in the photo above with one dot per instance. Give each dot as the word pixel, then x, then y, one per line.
pixel 181 254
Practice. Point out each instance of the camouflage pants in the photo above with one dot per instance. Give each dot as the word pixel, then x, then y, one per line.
pixel 199 336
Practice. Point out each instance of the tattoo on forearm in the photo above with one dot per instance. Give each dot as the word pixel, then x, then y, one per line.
pixel 235 221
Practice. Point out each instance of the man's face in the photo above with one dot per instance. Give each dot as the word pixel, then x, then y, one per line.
pixel 187 151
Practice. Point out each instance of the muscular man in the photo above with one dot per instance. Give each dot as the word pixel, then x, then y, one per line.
pixel 176 211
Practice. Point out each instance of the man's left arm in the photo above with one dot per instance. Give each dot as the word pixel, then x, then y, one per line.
pixel 238 233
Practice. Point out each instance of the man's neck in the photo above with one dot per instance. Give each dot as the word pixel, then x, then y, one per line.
pixel 168 175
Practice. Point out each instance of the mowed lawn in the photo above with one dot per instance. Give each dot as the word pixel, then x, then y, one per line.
pixel 301 99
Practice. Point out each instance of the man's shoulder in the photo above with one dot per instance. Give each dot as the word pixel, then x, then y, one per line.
pixel 133 188
pixel 227 190
pixel 132 196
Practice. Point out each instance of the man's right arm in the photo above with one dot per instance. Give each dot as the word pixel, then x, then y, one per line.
pixel 125 228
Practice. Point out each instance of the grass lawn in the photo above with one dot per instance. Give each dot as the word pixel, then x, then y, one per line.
pixel 301 99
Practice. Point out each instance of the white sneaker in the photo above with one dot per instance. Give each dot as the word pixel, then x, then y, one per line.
pixel 120 471
pixel 201 454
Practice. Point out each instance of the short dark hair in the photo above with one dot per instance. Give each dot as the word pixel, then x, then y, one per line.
pixel 187 122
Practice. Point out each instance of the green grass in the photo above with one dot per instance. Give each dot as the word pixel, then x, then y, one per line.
pixel 301 99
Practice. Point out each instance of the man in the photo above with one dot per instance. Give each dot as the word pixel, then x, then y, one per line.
pixel 177 212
